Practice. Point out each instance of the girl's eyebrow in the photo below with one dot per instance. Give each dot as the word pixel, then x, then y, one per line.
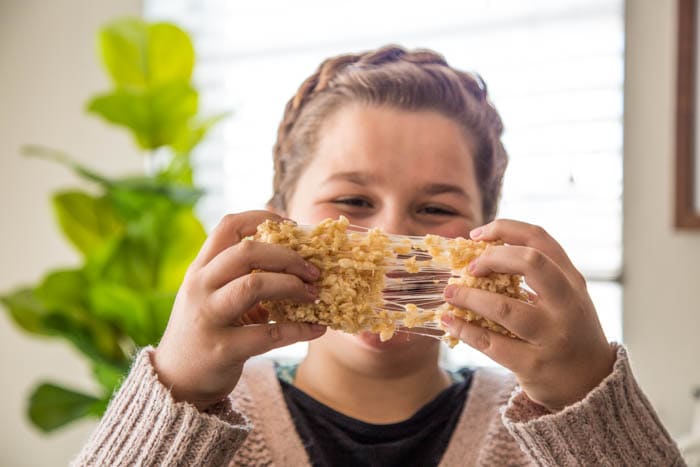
pixel 358 178
pixel 440 188
pixel 364 178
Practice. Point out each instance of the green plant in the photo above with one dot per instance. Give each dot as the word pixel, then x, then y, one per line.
pixel 136 234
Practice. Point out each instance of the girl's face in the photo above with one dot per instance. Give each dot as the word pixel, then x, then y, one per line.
pixel 406 172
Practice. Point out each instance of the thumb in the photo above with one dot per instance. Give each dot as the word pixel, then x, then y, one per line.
pixel 260 338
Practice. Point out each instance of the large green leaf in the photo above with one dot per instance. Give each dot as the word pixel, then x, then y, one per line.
pixel 64 296
pixel 63 288
pixel 27 311
pixel 129 108
pixel 87 221
pixel 57 308
pixel 122 45
pixel 95 339
pixel 131 262
pixel 108 376
pixel 124 307
pixel 138 54
pixel 52 406
pixel 194 133
pixel 161 305
pixel 156 116
pixel 182 240
pixel 170 53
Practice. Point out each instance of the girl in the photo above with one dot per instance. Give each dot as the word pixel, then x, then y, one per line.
pixel 397 140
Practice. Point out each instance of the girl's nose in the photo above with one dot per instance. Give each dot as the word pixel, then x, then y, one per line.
pixel 395 221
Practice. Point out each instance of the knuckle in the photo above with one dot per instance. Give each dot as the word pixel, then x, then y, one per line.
pixel 230 225
pixel 580 280
pixel 482 341
pixel 488 252
pixel 219 351
pixel 458 294
pixel 296 284
pixel 192 283
pixel 210 304
pixel 274 331
pixel 246 248
pixel 250 286
pixel 504 309
pixel 497 226
pixel 460 297
pixel 538 231
pixel 227 221
pixel 534 258
pixel 191 271
pixel 477 338
pixel 208 279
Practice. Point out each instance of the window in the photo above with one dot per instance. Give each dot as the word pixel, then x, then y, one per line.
pixel 554 69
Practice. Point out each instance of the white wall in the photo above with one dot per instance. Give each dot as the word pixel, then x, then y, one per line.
pixel 662 265
pixel 48 70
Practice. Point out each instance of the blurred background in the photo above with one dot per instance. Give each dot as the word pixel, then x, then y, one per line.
pixel 586 90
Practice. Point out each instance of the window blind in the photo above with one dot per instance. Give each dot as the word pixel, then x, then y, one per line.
pixel 554 69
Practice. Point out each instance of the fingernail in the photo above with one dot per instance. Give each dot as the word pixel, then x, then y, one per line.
pixel 314 272
pixel 287 219
pixel 476 233
pixel 313 290
pixel 318 328
pixel 447 319
pixel 472 267
pixel 450 291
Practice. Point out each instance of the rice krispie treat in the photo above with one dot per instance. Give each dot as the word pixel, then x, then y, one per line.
pixel 354 266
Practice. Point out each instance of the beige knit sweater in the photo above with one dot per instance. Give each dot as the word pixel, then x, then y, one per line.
pixel 614 425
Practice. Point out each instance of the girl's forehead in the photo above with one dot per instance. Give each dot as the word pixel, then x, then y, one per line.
pixel 390 141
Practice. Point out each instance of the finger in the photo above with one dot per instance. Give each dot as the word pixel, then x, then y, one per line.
pixel 544 276
pixel 522 319
pixel 236 298
pixel 257 315
pixel 524 234
pixel 231 229
pixel 238 260
pixel 261 338
pixel 505 350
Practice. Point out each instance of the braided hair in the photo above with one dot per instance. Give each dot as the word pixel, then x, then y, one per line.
pixel 409 80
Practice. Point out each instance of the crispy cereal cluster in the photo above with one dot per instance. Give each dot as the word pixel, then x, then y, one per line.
pixel 353 267
pixel 456 254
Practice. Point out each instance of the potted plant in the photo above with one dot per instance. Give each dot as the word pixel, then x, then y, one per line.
pixel 136 234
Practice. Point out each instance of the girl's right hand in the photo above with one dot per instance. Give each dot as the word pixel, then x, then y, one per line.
pixel 216 323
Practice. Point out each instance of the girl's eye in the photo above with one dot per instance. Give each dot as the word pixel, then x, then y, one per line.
pixel 354 202
pixel 437 211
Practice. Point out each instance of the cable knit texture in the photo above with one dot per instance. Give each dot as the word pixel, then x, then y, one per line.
pixel 499 425
pixel 613 425
pixel 143 425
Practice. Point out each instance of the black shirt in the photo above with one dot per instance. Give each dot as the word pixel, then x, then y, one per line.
pixel 334 439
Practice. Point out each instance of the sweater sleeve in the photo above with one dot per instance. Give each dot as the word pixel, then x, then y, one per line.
pixel 143 425
pixel 613 425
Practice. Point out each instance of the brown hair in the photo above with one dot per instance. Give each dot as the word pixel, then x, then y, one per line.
pixel 410 80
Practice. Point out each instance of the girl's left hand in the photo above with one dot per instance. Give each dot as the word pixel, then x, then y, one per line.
pixel 562 352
